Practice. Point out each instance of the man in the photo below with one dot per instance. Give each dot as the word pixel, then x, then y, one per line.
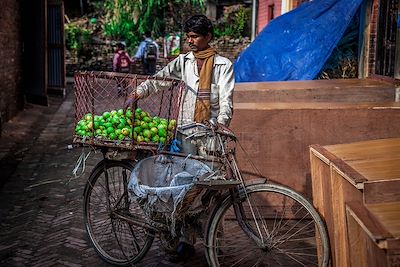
pixel 148 53
pixel 209 81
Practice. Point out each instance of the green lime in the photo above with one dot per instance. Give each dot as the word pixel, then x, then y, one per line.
pixel 144 125
pixel 110 130
pixel 161 126
pixel 162 132
pixel 128 114
pixel 88 117
pixel 122 120
pixel 139 139
pixel 82 122
pixel 147 133
pixel 147 119
pixel 154 130
pixel 156 119
pixel 155 139
pixel 90 125
pixel 112 136
pixel 114 120
pixel 125 131
pixel 97 124
pixel 106 114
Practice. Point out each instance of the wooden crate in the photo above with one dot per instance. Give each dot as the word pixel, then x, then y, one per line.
pixel 356 189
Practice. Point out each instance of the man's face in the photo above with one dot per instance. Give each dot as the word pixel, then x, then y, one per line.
pixel 198 42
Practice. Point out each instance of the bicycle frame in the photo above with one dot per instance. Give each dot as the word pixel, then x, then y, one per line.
pixel 246 212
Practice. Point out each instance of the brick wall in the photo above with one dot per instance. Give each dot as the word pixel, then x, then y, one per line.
pixel 263 16
pixel 11 99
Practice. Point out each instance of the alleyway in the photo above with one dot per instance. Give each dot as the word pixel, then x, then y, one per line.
pixel 40 201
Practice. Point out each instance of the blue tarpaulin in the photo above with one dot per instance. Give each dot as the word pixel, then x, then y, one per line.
pixel 296 45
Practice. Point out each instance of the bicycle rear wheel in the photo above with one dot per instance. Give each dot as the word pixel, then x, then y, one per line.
pixel 271 225
pixel 113 238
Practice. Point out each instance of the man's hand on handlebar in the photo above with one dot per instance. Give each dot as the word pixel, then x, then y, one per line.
pixel 132 98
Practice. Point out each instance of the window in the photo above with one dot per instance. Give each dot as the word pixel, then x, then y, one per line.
pixel 271 12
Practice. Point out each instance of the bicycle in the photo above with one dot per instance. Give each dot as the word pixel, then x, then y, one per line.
pixel 250 224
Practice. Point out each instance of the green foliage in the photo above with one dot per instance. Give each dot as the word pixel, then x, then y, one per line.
pixel 76 37
pixel 128 20
pixel 235 22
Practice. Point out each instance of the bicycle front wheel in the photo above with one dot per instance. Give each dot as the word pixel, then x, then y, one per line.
pixel 106 194
pixel 269 225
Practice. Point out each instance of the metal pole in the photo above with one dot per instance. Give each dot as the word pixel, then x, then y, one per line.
pixel 253 20
pixel 81 4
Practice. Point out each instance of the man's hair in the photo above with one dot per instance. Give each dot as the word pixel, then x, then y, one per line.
pixel 121 45
pixel 199 24
pixel 147 34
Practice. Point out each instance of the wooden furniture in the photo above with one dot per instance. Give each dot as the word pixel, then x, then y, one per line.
pixel 356 188
pixel 276 122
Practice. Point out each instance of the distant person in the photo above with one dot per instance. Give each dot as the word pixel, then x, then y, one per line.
pixel 122 63
pixel 148 53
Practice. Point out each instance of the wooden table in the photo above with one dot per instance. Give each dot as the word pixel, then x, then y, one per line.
pixel 356 188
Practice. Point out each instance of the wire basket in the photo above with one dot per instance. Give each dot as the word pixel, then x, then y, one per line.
pixel 102 121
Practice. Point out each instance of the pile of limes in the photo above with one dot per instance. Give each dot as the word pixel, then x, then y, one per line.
pixel 125 125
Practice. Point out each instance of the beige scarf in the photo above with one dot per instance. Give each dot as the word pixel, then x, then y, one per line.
pixel 203 110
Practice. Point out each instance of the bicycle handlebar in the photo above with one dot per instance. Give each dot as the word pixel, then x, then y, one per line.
pixel 214 127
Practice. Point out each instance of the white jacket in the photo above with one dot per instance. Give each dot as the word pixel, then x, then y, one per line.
pixel 184 67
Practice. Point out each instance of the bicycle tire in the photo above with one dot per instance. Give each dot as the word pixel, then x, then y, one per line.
pixel 287 240
pixel 115 240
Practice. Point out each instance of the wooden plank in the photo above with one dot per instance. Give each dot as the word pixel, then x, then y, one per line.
pixel 371 149
pixel 373 159
pixel 342 192
pixel 320 84
pixel 315 106
pixel 381 191
pixel 388 214
pixel 367 221
pixel 322 153
pixel 348 173
pixel 341 90
pixel 321 188
pixel 363 251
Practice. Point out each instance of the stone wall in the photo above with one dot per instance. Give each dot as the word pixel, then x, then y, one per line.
pixel 11 99
pixel 102 55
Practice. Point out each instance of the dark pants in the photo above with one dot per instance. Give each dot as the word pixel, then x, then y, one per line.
pixel 149 66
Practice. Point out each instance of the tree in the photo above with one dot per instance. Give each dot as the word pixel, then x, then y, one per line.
pixel 130 19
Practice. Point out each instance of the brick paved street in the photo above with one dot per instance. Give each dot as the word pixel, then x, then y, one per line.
pixel 40 202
